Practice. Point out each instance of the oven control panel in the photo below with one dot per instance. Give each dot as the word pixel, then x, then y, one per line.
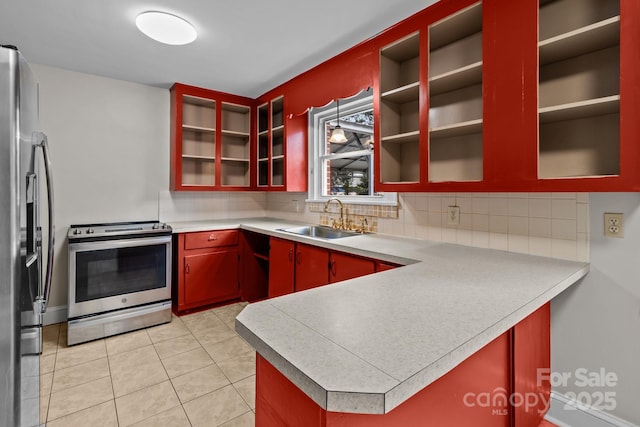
pixel 117 230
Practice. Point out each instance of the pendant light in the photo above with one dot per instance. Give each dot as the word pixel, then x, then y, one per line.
pixel 337 136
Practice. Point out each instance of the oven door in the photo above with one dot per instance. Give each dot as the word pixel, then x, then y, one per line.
pixel 115 274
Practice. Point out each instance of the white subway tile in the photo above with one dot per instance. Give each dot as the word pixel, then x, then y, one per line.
pixel 565 229
pixel 422 203
pixel 539 195
pixel 480 205
pixel 582 218
pixel 518 226
pixel 498 241
pixel 582 197
pixel 563 209
pixel 449 235
pixel 435 204
pixel 540 227
pixel 540 208
pixel 498 224
pixel 519 244
pixel 540 246
pixel 464 237
pixel 518 207
pixel 564 249
pixel 498 206
pixel 563 196
pixel 480 239
pixel 480 222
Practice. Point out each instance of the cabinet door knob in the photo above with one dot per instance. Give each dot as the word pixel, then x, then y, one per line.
pixel 298 257
pixel 187 269
pixel 212 237
pixel 291 255
pixel 332 267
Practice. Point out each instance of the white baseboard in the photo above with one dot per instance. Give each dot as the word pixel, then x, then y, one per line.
pixel 565 412
pixel 54 315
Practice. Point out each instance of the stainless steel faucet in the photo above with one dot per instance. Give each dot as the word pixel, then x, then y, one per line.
pixel 326 209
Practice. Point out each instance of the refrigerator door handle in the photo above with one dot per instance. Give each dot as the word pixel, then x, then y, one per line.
pixel 40 140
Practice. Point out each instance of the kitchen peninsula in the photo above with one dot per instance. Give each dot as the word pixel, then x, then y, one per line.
pixel 427 339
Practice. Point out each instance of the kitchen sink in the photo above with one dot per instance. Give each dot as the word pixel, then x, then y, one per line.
pixel 320 232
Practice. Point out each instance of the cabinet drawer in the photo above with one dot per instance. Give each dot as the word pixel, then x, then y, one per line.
pixel 211 239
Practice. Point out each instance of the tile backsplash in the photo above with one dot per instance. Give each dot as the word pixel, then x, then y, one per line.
pixel 201 205
pixel 547 224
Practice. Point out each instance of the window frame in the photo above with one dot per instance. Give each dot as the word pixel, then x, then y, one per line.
pixel 318 117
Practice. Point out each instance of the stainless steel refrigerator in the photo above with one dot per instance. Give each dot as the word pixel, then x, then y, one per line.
pixel 26 240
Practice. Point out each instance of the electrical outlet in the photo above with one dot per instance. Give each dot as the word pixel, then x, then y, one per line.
pixel 613 225
pixel 453 215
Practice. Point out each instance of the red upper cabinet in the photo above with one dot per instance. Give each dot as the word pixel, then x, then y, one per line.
pixel 211 140
pixel 281 141
pixel 501 95
pixel 588 133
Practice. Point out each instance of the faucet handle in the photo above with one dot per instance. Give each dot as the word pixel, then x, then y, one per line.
pixel 363 225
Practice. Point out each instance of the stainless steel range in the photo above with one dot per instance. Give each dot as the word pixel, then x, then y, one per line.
pixel 119 278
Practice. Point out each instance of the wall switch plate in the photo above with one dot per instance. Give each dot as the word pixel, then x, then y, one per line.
pixel 453 215
pixel 613 225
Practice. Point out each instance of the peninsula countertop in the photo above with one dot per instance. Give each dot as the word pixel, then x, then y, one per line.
pixel 366 345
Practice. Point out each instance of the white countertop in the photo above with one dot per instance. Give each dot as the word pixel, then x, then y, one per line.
pixel 368 344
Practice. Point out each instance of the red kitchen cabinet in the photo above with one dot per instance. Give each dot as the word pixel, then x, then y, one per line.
pixel 281 267
pixel 211 140
pixel 208 269
pixel 311 268
pixel 344 266
pixel 296 267
pixel 211 277
pixel 497 95
pixel 281 142
pixel 383 266
pixel 254 265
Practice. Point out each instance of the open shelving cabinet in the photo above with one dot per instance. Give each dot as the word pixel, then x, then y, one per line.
pixel 579 88
pixel 211 134
pixel 271 144
pixel 455 97
pixel 401 153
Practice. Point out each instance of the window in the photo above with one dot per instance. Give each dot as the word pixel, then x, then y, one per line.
pixel 344 170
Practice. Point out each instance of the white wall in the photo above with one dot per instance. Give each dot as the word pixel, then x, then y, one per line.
pixel 596 324
pixel 110 151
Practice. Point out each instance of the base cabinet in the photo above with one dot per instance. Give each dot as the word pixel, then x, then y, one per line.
pixel 311 267
pixel 281 267
pixel 208 269
pixel 211 277
pixel 484 390
pixel 297 266
pixel 345 267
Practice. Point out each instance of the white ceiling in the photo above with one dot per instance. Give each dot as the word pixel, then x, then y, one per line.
pixel 246 47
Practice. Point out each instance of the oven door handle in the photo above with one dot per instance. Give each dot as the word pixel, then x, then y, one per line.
pixel 40 141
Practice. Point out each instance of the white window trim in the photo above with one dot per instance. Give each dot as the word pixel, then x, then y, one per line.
pixel 317 118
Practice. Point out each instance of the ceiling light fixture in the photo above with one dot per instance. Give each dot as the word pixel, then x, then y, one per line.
pixel 166 28
pixel 337 136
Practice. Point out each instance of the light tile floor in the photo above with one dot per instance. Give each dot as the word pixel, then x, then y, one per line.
pixel 194 371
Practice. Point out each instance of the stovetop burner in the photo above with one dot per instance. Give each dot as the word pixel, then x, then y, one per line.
pixel 117 230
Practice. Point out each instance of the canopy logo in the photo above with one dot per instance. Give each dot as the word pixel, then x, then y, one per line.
pixel 596 393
